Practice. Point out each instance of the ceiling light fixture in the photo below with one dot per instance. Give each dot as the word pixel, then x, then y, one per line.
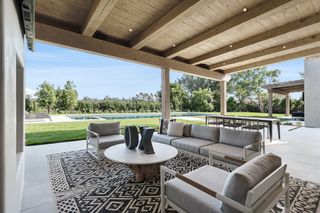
pixel 244 9
pixel 284 47
pixel 130 30
pixel 230 45
pixel 173 45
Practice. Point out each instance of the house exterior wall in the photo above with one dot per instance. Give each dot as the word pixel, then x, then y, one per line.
pixel 11 151
pixel 312 91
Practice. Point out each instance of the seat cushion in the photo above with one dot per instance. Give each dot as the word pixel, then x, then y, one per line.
pixel 107 141
pixel 205 132
pixel 224 149
pixel 104 129
pixel 175 129
pixel 192 199
pixel 245 177
pixel 190 144
pixel 161 138
pixel 239 138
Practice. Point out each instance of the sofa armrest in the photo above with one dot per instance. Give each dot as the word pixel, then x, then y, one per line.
pixel 201 187
pixel 228 158
pixel 89 133
pixel 261 145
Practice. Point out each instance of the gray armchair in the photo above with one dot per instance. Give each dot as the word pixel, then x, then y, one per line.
pixel 255 186
pixel 103 135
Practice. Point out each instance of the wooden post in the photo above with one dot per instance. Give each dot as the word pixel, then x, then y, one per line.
pixel 223 97
pixel 270 102
pixel 287 105
pixel 165 93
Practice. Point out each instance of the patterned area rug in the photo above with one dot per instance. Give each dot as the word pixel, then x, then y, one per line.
pixel 81 184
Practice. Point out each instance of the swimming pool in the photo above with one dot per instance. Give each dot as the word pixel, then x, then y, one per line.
pixel 113 116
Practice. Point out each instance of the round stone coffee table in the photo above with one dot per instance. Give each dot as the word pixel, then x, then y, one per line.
pixel 143 165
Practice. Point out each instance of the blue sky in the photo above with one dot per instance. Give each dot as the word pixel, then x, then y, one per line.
pixel 98 76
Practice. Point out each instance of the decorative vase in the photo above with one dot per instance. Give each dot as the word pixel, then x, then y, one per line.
pixel 146 143
pixel 131 137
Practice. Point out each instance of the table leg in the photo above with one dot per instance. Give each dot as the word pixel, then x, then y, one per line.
pixel 143 172
pixel 278 125
pixel 270 131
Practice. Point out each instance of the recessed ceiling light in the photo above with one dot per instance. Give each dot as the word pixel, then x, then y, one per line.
pixel 130 30
pixel 173 45
pixel 230 45
pixel 244 9
pixel 224 63
pixel 284 47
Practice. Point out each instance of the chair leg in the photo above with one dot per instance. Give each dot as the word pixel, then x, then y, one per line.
pixel 162 188
pixel 287 195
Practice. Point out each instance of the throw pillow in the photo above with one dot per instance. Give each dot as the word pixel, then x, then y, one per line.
pixel 175 129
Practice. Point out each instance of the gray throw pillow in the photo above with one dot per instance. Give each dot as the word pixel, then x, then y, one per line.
pixel 175 129
pixel 245 177
pixel 105 129
pixel 205 132
pixel 186 130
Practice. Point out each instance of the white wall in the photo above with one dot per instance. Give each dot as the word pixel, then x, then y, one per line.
pixel 312 91
pixel 11 150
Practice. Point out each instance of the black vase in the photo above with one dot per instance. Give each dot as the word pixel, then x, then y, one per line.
pixel 131 137
pixel 146 143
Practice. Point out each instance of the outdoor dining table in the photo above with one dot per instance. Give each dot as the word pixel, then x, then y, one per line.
pixel 268 121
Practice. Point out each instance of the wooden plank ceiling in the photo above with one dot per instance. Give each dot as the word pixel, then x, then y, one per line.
pixel 209 38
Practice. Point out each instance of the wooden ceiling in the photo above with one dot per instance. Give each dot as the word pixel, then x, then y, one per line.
pixel 209 38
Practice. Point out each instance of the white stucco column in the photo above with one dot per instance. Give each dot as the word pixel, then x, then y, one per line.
pixel 223 97
pixel 287 105
pixel 312 91
pixel 165 93
pixel 270 102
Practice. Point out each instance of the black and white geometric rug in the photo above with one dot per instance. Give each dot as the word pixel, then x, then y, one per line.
pixel 81 184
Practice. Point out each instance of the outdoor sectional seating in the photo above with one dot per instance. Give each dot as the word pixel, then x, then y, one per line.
pixel 219 141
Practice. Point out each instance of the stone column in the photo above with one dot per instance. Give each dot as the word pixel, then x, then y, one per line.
pixel 223 97
pixel 287 105
pixel 270 102
pixel 311 91
pixel 165 93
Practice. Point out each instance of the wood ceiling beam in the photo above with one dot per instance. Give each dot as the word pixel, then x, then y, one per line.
pixel 295 25
pixel 77 41
pixel 290 56
pixel 268 51
pixel 154 29
pixel 241 18
pixel 97 14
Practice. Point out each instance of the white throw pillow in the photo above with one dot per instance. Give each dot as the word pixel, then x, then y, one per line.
pixel 175 129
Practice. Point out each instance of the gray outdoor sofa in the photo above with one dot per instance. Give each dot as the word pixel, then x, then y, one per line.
pixel 221 142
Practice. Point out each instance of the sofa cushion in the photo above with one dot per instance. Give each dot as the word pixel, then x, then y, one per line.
pixel 190 144
pixel 192 199
pixel 239 138
pixel 186 130
pixel 245 177
pixel 205 132
pixel 104 129
pixel 163 138
pixel 107 141
pixel 224 149
pixel 175 129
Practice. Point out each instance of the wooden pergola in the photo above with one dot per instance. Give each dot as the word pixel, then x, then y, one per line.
pixel 284 88
pixel 206 38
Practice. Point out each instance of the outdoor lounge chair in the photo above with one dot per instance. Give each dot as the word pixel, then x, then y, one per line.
pixel 255 186
pixel 103 135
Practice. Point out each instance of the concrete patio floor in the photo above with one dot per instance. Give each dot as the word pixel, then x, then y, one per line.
pixel 299 148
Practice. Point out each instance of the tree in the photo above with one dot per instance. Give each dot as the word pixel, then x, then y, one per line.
pixel 29 104
pixel 46 96
pixel 247 86
pixel 178 97
pixel 202 100
pixel 68 97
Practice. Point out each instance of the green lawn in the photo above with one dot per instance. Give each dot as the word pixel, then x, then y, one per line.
pixel 44 133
